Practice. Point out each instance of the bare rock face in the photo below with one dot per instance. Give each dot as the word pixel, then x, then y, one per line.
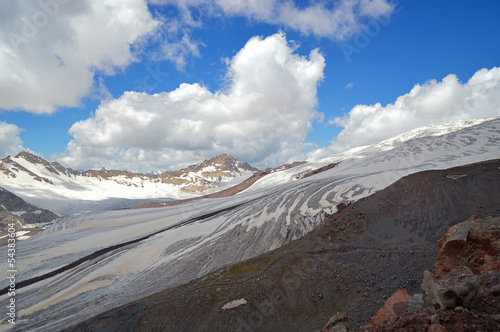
pixel 460 289
pixel 474 243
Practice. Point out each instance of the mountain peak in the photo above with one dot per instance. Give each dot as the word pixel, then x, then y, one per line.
pixel 222 157
pixel 223 163
pixel 25 154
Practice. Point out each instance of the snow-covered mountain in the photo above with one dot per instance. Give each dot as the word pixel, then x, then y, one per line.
pixel 84 265
pixel 52 186
pixel 408 149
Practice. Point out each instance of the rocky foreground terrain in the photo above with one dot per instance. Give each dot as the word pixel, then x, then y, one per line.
pixel 461 295
pixel 350 265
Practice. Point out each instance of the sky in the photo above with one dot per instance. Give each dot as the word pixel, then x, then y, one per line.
pixel 159 85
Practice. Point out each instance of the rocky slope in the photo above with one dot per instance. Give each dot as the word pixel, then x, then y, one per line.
pixel 50 185
pixel 462 293
pixel 351 263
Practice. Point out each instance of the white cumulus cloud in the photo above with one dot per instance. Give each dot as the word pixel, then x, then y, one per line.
pixel 264 114
pixel 333 19
pixel 430 103
pixel 50 50
pixel 10 142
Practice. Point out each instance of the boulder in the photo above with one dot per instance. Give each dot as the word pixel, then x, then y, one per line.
pixel 460 289
pixel 393 307
pixel 474 243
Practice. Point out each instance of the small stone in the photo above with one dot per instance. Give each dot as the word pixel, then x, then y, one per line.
pixel 338 328
pixel 337 323
pixel 435 319
pixel 416 302
pixel 495 290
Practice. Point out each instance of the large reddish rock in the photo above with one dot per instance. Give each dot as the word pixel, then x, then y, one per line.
pixel 393 307
pixel 474 243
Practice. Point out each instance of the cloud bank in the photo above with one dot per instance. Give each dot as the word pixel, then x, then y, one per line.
pixel 50 50
pixel 264 115
pixel 430 103
pixel 10 142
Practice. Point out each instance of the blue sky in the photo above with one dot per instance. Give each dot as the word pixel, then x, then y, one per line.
pixel 267 81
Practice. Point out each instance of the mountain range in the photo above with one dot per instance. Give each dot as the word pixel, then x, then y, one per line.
pixel 84 265
pixel 63 190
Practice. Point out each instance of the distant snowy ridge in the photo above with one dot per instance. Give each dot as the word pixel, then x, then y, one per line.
pixel 52 186
pixel 369 150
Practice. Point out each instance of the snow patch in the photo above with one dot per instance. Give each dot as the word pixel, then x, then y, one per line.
pixel 456 177
pixel 18 213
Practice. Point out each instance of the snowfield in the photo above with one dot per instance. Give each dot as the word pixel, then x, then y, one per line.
pixel 148 250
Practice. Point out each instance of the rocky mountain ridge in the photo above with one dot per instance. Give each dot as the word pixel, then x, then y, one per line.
pixel 204 175
pixel 27 173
